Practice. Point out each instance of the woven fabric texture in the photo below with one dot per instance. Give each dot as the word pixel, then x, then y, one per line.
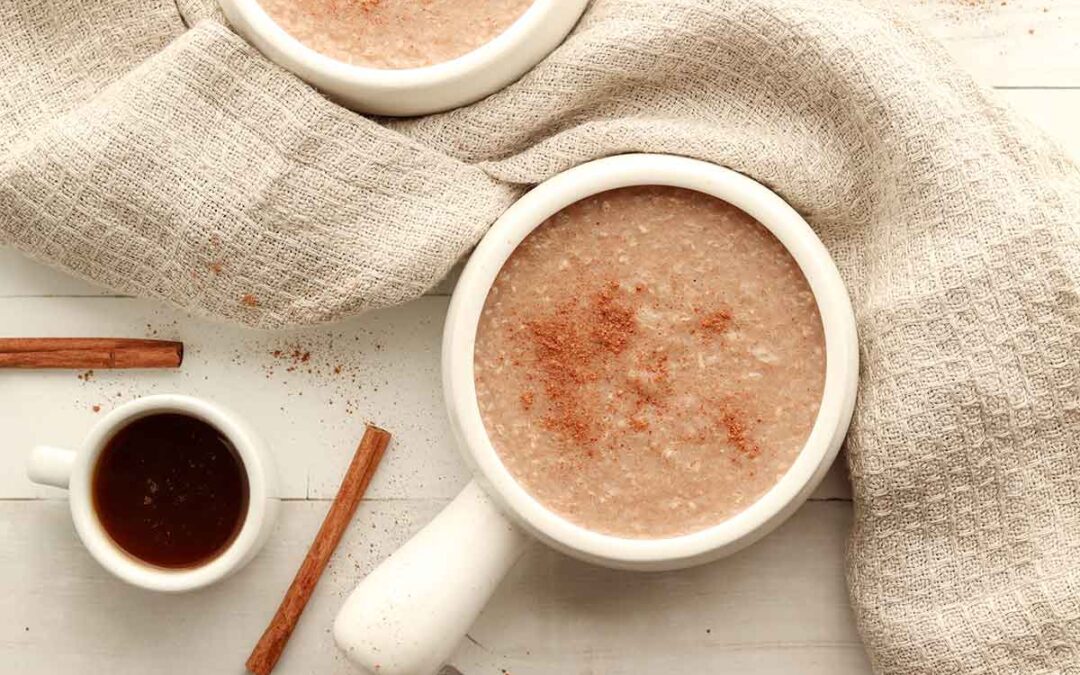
pixel 145 146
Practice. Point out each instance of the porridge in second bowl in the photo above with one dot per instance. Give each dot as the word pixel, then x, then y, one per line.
pixel 395 34
pixel 649 362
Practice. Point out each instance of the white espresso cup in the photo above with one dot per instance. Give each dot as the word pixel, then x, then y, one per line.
pixel 408 615
pixel 74 471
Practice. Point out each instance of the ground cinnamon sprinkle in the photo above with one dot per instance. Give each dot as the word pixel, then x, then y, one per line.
pixel 570 346
pixel 716 323
pixel 738 436
pixel 581 341
pixel 612 324
pixel 527 400
pixel 651 382
pixel 296 356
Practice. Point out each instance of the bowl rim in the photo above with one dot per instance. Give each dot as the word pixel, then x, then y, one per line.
pixel 301 59
pixel 838 396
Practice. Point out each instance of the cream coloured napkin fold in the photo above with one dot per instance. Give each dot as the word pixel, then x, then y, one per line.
pixel 180 164
pixel 186 167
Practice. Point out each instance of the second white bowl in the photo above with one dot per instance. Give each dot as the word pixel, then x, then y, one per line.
pixel 414 91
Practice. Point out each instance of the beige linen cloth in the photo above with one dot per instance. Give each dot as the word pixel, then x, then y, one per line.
pixel 146 147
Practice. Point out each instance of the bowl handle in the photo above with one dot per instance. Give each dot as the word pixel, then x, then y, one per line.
pixel 408 615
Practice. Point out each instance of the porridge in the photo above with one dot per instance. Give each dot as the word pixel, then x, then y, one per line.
pixel 395 33
pixel 649 362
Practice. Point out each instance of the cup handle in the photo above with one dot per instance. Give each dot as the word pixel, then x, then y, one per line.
pixel 50 466
pixel 408 615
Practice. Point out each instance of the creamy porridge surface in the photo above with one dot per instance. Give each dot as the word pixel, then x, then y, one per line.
pixel 649 362
pixel 395 33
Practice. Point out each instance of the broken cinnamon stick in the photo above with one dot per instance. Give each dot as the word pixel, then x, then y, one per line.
pixel 272 643
pixel 89 353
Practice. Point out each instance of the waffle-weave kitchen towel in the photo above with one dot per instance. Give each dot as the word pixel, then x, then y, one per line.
pixel 145 146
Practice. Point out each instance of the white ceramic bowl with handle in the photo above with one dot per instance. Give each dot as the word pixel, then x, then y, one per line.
pixel 414 91
pixel 407 616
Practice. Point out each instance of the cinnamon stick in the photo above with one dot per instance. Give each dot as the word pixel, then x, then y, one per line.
pixel 89 353
pixel 272 643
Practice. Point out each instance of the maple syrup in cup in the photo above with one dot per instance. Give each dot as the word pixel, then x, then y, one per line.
pixel 649 362
pixel 171 490
pixel 168 492
pixel 403 57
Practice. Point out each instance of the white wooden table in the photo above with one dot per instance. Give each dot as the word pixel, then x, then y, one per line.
pixel 779 607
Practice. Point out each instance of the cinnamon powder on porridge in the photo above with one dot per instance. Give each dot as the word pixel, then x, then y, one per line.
pixel 570 346
pixel 716 323
pixel 737 434
pixel 649 362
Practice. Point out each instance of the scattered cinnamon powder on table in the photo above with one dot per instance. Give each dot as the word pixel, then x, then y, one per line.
pixel 295 353
pixel 296 356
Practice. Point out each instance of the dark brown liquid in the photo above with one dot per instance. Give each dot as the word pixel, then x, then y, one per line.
pixel 170 490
